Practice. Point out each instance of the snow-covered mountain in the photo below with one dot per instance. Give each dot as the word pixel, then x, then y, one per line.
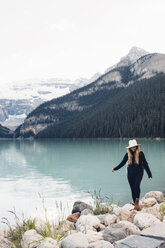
pixel 18 99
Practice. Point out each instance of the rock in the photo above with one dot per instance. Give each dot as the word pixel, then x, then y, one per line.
pixel 149 202
pixel 144 220
pixel 48 243
pixel 156 206
pixel 87 222
pixel 131 228
pixel 86 211
pixel 113 234
pixel 94 236
pixel 140 242
pixel 110 219
pixel 31 239
pixel 101 217
pixel 128 207
pixel 79 206
pixel 153 211
pixel 5 243
pixel 107 219
pixel 155 194
pixel 40 224
pixel 73 217
pixel 101 244
pixel 4 233
pixel 127 215
pixel 76 240
pixel 67 226
pixel 119 231
pixel 102 227
pixel 157 230
pixel 116 209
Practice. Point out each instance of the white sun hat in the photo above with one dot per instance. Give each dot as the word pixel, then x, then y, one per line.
pixel 132 143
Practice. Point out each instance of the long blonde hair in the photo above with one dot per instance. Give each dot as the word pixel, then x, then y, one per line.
pixel 136 156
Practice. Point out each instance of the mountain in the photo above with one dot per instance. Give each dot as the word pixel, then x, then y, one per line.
pixel 19 98
pixel 134 54
pixel 126 101
pixel 5 132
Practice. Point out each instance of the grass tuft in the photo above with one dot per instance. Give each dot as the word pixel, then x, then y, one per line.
pixel 102 204
pixel 162 209
pixel 16 232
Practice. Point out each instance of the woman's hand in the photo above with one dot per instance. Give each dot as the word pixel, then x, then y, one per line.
pixel 112 170
pixel 150 178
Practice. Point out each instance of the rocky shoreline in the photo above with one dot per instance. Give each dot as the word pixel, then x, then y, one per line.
pixel 118 227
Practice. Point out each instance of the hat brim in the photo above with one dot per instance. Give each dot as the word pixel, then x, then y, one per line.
pixel 132 146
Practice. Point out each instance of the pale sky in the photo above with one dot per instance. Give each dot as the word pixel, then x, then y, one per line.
pixel 74 38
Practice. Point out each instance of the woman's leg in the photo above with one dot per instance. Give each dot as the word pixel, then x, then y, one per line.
pixel 137 182
pixel 131 180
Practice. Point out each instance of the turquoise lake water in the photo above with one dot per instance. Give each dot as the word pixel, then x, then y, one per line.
pixel 40 174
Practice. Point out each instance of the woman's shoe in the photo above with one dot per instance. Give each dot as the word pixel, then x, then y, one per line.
pixel 137 207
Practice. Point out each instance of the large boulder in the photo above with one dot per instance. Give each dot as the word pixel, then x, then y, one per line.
pixel 149 202
pixel 5 243
pixel 144 220
pixel 129 227
pixel 107 219
pixel 127 215
pixel 73 217
pixel 31 239
pixel 5 233
pixel 115 209
pixel 48 243
pixel 86 211
pixel 87 222
pixel 93 236
pixel 101 244
pixel 76 240
pixel 140 242
pixel 66 226
pixel 119 231
pixel 157 230
pixel 152 210
pixel 40 224
pixel 128 207
pixel 158 195
pixel 110 219
pixel 79 206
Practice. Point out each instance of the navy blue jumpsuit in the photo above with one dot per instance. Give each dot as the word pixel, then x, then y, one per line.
pixel 135 172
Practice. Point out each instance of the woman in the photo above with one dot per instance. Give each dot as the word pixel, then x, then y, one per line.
pixel 136 165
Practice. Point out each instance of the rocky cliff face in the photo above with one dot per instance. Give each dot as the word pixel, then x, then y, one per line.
pixel 148 66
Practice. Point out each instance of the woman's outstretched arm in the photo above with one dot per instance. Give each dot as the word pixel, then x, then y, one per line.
pixel 122 163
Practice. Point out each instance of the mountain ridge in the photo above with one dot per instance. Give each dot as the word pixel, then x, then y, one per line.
pixel 133 55
pixel 87 99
